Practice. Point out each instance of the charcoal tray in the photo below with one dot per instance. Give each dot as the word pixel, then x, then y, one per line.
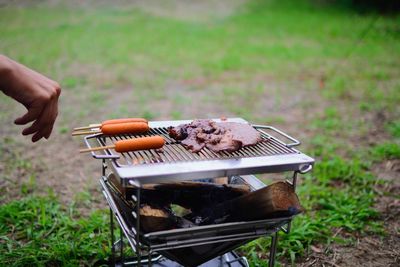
pixel 196 245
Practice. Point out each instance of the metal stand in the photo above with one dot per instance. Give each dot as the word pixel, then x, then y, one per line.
pixel 230 259
pixel 272 252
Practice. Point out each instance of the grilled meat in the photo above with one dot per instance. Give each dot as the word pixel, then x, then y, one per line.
pixel 216 136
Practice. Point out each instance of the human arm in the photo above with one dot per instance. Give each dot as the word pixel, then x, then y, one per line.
pixel 36 92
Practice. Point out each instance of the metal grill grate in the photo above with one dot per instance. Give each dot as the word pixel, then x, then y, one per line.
pixel 175 152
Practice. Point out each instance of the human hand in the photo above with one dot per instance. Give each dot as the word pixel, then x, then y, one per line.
pixel 36 92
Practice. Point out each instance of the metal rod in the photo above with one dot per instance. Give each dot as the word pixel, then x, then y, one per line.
pixel 149 263
pixel 138 250
pixel 133 261
pixel 197 242
pixel 294 181
pixel 103 171
pixel 272 252
pixel 295 142
pixel 121 246
pixel 112 238
pixel 104 166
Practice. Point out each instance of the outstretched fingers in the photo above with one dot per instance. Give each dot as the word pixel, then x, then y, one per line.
pixel 37 93
pixel 32 114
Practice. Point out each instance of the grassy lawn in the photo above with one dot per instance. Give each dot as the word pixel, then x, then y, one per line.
pixel 327 75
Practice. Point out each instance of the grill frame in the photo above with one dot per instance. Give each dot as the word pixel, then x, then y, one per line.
pixel 231 167
pixel 234 234
pixel 280 157
pixel 178 238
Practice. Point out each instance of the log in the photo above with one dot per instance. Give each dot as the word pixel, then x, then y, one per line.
pixel 191 195
pixel 275 200
pixel 156 219
pixel 188 194
pixel 153 219
pixel 213 203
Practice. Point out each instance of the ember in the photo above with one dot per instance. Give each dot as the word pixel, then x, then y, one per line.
pixel 210 203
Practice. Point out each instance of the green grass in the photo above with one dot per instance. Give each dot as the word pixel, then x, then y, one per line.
pixel 38 231
pixel 266 38
pixel 101 52
pixel 386 151
pixel 394 128
pixel 145 52
pixel 338 195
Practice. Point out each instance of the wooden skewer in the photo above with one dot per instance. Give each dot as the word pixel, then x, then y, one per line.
pixel 96 148
pixel 87 127
pixel 84 132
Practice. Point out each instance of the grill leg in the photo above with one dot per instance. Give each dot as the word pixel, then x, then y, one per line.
pixel 272 253
pixel 103 167
pixel 149 259
pixel 121 246
pixel 294 181
pixel 112 238
pixel 138 250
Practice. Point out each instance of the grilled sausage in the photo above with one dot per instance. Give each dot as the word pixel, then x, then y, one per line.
pixel 125 128
pixel 125 120
pixel 142 143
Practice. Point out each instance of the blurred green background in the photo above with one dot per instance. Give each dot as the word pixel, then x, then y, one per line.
pixel 326 72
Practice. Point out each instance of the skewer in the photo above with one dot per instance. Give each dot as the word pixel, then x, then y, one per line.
pixel 91 126
pixel 142 143
pixel 96 148
pixel 85 132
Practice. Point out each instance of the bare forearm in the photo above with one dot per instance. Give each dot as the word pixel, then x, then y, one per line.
pixel 4 63
pixel 6 66
pixel 35 91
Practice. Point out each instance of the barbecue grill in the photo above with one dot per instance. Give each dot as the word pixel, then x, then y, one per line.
pixel 189 246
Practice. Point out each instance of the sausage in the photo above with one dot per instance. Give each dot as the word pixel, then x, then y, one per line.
pixel 125 128
pixel 125 120
pixel 107 122
pixel 142 143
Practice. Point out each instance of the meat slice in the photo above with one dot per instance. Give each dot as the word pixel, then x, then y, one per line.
pixel 226 143
pixel 191 142
pixel 221 136
pixel 184 130
pixel 241 132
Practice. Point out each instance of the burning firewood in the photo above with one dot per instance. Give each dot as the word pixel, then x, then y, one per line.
pixel 191 195
pixel 275 200
pixel 155 219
